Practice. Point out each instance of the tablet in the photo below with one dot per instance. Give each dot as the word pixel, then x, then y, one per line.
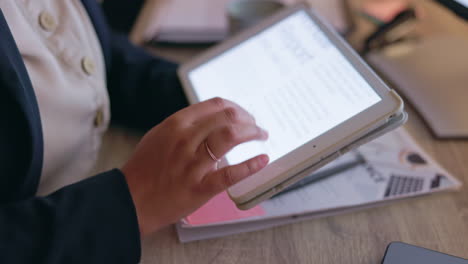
pixel 303 84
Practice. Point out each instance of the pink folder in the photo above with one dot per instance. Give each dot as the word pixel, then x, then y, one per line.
pixel 221 209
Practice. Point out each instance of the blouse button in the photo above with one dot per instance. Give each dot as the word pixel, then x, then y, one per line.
pixel 47 21
pixel 99 118
pixel 88 65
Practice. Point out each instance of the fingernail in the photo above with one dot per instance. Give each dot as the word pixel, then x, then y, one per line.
pixel 264 159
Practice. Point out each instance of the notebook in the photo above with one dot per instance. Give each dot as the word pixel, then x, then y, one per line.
pixel 396 168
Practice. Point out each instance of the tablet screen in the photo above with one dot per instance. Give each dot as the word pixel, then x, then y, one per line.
pixel 292 79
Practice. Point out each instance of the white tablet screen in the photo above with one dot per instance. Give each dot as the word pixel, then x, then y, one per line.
pixel 293 80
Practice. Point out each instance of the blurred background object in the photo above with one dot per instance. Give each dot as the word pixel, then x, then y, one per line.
pixel 429 62
pixel 242 14
pixel 397 28
pixel 384 11
pixel 205 21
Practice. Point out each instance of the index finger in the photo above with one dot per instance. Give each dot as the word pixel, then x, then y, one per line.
pixel 202 109
pixel 224 178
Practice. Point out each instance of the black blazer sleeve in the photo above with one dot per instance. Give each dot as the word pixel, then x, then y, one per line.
pixel 92 221
pixel 143 89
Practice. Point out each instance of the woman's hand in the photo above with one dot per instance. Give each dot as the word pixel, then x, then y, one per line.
pixel 174 169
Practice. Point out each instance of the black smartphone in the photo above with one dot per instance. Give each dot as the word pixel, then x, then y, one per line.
pixel 401 253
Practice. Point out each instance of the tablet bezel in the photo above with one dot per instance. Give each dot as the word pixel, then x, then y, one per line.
pixel 325 144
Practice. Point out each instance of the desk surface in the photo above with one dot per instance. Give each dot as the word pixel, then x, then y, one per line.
pixel 438 221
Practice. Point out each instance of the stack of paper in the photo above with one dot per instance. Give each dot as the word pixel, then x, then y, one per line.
pixel 395 167
pixel 196 21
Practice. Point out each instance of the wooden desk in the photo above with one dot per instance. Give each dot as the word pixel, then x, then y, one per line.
pixel 438 221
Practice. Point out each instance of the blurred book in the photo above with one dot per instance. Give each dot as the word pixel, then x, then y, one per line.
pixel 395 168
pixel 205 21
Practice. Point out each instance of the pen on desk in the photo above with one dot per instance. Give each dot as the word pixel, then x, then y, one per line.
pixel 321 175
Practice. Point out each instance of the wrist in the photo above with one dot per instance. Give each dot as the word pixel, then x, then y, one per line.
pixel 147 221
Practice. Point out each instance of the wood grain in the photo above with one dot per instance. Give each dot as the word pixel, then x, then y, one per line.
pixel 438 221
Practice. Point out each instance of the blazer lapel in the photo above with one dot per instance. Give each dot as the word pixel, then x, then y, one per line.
pixel 15 79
